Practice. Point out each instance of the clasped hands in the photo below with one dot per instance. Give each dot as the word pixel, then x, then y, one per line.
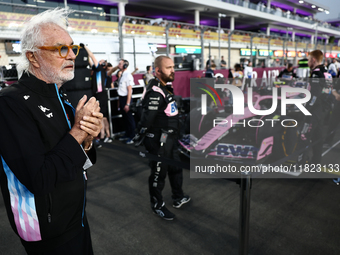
pixel 87 121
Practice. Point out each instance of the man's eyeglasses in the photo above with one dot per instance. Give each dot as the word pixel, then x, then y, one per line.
pixel 63 49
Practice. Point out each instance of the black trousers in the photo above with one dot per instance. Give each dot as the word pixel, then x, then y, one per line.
pixel 81 244
pixel 159 170
pixel 128 118
pixel 316 136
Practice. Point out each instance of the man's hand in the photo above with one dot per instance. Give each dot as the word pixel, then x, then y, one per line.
pixel 126 108
pixel 87 119
pixel 139 137
pixel 336 95
pixel 92 124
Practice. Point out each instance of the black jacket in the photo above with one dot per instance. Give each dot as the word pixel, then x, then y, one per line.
pixel 42 164
pixel 319 82
pixel 159 108
pixel 287 74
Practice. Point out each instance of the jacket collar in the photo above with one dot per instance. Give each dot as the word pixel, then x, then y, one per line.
pixel 38 86
pixel 319 68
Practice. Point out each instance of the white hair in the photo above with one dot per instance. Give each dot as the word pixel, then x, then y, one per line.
pixel 31 34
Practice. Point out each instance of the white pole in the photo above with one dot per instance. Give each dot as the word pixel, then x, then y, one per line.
pixel 197 17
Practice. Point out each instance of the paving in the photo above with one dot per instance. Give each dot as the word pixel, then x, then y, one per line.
pixel 287 216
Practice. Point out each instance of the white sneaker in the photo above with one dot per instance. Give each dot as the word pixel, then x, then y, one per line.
pixel 130 141
pixel 107 140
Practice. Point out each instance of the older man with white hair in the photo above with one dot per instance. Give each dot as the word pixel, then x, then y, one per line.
pixel 46 144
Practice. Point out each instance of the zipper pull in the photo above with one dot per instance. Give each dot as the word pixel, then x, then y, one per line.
pixel 49 218
pixel 85 176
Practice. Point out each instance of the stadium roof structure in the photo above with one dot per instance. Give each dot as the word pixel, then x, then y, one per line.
pixel 310 6
pixel 247 18
pixel 334 22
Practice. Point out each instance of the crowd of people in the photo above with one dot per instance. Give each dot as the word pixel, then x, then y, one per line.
pixel 163 23
pixel 47 144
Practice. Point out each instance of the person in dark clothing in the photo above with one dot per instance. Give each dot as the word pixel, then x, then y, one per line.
pixel 223 63
pixel 159 126
pixel 315 105
pixel 101 81
pixel 335 118
pixel 210 72
pixel 209 63
pixel 46 144
pixel 288 73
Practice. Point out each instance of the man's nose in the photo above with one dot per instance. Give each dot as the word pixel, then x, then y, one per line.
pixel 71 55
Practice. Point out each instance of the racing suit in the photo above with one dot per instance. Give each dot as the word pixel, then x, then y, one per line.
pixel 42 174
pixel 319 79
pixel 160 119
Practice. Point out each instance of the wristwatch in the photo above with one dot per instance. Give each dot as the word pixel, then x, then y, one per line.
pixel 128 104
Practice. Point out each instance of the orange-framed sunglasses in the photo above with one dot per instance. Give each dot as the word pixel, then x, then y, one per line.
pixel 63 49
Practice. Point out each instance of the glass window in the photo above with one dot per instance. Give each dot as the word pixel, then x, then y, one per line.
pixel 47 3
pixel 114 11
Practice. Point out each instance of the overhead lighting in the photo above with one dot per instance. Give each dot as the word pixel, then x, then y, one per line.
pixel 301 2
pixel 327 12
pixel 313 6
pixel 320 9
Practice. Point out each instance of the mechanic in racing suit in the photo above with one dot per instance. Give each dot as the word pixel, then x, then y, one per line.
pixel 320 80
pixel 159 127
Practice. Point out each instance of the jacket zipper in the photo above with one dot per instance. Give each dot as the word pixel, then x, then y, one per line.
pixel 85 179
pixel 84 172
pixel 49 215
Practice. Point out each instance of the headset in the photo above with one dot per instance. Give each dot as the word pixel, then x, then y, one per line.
pixel 126 63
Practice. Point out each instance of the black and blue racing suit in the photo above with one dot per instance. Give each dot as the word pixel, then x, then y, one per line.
pixel 160 116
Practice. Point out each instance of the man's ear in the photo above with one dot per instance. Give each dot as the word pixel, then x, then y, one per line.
pixel 32 59
pixel 157 70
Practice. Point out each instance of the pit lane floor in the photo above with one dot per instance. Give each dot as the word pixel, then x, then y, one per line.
pixel 288 216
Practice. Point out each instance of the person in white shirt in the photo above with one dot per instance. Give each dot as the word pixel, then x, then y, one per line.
pixel 332 68
pixel 125 99
pixel 248 70
pixel 337 65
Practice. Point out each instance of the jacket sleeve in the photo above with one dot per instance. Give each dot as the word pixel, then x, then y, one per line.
pixel 280 74
pixel 153 102
pixel 24 154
